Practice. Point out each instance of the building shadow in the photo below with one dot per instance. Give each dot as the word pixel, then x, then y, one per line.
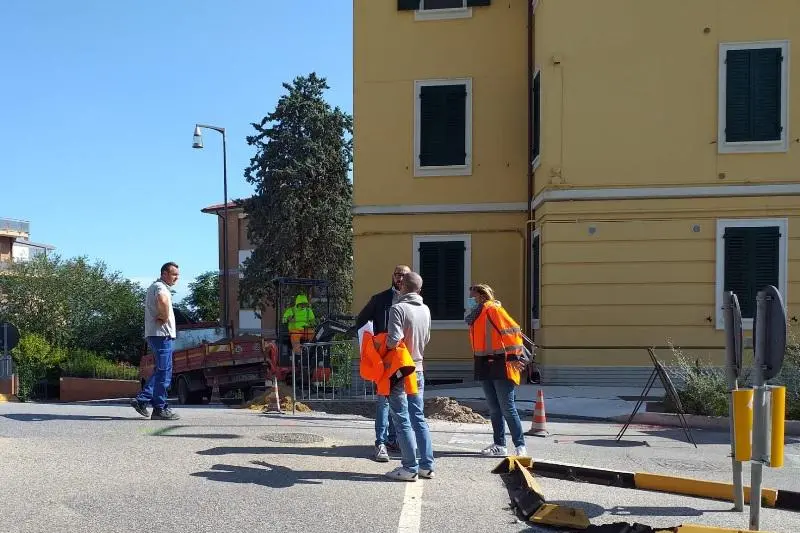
pixel 280 477
pixel 43 417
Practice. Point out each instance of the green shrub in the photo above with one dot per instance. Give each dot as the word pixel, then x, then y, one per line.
pixel 34 359
pixel 703 388
pixel 86 364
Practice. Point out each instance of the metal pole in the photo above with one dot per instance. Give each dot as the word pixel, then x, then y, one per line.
pixel 730 367
pixel 759 411
pixel 225 231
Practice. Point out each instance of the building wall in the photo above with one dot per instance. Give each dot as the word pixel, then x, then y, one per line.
pixel 392 51
pixel 634 97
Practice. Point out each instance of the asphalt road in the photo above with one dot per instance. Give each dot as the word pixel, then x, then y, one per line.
pixel 98 468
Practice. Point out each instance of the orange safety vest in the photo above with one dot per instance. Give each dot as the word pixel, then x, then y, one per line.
pixel 494 334
pixel 385 366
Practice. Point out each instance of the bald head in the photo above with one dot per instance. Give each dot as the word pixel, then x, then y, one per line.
pixel 412 283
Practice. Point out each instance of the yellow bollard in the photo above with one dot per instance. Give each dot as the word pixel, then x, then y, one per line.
pixel 743 423
pixel 778 402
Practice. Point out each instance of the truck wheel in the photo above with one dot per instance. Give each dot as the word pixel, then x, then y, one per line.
pixel 184 396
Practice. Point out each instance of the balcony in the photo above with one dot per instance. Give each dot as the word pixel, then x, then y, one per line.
pixel 10 227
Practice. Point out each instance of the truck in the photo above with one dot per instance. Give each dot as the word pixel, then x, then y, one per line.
pixel 243 365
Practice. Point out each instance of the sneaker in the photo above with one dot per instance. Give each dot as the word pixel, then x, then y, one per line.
pixel 140 407
pixel 521 451
pixel 381 455
pixel 164 414
pixel 401 474
pixel 426 473
pixel 393 447
pixel 495 451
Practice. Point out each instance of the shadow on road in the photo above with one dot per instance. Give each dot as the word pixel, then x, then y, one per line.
pixel 352 451
pixel 611 442
pixel 593 510
pixel 43 417
pixel 279 477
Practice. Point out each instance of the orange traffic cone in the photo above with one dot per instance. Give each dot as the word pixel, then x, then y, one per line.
pixel 539 423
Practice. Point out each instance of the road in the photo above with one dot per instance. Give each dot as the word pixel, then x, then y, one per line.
pixel 102 468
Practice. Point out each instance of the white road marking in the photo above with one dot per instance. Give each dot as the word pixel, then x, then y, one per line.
pixel 411 513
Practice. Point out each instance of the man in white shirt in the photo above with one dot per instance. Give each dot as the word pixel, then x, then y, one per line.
pixel 160 333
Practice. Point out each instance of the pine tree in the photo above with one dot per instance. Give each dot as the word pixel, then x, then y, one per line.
pixel 299 219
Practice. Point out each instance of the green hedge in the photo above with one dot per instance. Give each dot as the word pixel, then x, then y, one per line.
pixel 85 364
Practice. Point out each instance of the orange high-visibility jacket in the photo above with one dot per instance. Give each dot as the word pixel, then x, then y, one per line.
pixel 385 366
pixel 494 333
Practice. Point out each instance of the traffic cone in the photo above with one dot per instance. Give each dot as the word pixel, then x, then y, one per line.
pixel 539 423
pixel 272 398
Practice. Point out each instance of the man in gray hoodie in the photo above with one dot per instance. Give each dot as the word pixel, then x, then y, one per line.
pixel 410 322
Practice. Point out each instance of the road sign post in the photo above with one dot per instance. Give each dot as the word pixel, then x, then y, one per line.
pixel 733 353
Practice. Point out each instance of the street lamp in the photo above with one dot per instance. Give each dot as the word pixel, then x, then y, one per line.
pixel 197 142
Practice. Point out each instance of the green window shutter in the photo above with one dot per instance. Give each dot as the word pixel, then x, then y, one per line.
pixel 443 124
pixel 442 271
pixel 536 106
pixel 443 4
pixel 751 263
pixel 478 3
pixel 536 304
pixel 753 95
pixel 407 5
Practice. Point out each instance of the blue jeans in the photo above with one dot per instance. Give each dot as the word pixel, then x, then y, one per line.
pixel 500 395
pixel 155 390
pixel 384 427
pixel 408 412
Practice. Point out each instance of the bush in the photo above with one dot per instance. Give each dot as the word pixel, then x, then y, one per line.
pixel 703 388
pixel 86 364
pixel 35 360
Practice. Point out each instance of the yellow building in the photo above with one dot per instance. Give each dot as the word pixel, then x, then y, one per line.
pixel 664 169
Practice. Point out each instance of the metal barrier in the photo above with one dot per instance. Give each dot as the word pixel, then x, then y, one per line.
pixel 329 371
pixel 6 366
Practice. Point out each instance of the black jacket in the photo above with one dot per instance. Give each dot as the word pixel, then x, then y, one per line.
pixel 377 310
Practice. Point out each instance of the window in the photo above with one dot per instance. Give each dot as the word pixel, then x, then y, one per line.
pixel 440 9
pixel 753 97
pixel 243 255
pixel 751 254
pixel 443 128
pixel 443 261
pixel 536 110
pixel 536 279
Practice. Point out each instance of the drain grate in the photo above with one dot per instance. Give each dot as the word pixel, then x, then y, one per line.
pixel 293 438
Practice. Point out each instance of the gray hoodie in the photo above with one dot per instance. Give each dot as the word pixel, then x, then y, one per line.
pixel 410 321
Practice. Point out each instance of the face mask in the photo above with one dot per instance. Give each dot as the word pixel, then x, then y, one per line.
pixel 472 302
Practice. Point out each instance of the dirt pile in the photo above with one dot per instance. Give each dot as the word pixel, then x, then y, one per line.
pixel 442 408
pixel 268 398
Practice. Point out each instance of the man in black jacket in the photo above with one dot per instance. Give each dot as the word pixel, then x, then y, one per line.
pixel 377 310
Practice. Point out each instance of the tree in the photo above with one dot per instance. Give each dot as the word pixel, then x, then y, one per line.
pixel 74 304
pixel 299 218
pixel 202 303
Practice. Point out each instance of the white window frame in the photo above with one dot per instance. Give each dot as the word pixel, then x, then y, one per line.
pixel 781 145
pixel 536 323
pixel 537 161
pixel 462 12
pixel 783 260
pixel 467 240
pixel 249 321
pixel 453 170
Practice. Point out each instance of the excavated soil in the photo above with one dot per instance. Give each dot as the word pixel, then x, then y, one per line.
pixel 443 408
pixel 262 400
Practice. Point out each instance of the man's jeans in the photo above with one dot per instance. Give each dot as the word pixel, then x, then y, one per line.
pixel 408 412
pixel 155 390
pixel 500 395
pixel 384 427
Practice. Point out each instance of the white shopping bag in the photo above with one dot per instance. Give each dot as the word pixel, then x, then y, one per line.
pixel 366 327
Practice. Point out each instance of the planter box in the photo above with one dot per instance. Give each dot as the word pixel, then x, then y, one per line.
pixel 83 389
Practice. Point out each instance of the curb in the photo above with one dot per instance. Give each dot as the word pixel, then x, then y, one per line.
pixel 713 423
pixel 713 490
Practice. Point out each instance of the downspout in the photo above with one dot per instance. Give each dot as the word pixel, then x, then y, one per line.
pixel 531 212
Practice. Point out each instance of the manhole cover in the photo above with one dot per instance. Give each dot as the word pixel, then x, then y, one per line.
pixel 293 438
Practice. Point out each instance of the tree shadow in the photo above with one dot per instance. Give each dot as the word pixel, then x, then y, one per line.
pixel 280 477
pixel 43 417
pixel 339 452
pixel 611 443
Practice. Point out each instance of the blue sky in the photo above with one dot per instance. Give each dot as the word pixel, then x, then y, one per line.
pixel 100 99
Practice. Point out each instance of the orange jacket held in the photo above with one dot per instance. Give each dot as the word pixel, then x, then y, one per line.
pixel 496 336
pixel 384 366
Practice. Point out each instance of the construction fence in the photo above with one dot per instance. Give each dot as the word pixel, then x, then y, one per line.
pixel 329 371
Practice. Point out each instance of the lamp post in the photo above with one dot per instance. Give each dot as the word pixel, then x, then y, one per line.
pixel 198 143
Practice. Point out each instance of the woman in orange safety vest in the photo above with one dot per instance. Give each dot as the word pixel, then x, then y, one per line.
pixel 497 351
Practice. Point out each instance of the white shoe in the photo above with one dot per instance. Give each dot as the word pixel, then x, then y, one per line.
pixel 401 474
pixel 381 455
pixel 424 473
pixel 521 451
pixel 495 451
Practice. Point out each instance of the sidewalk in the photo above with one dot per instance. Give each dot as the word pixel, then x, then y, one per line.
pixel 569 403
